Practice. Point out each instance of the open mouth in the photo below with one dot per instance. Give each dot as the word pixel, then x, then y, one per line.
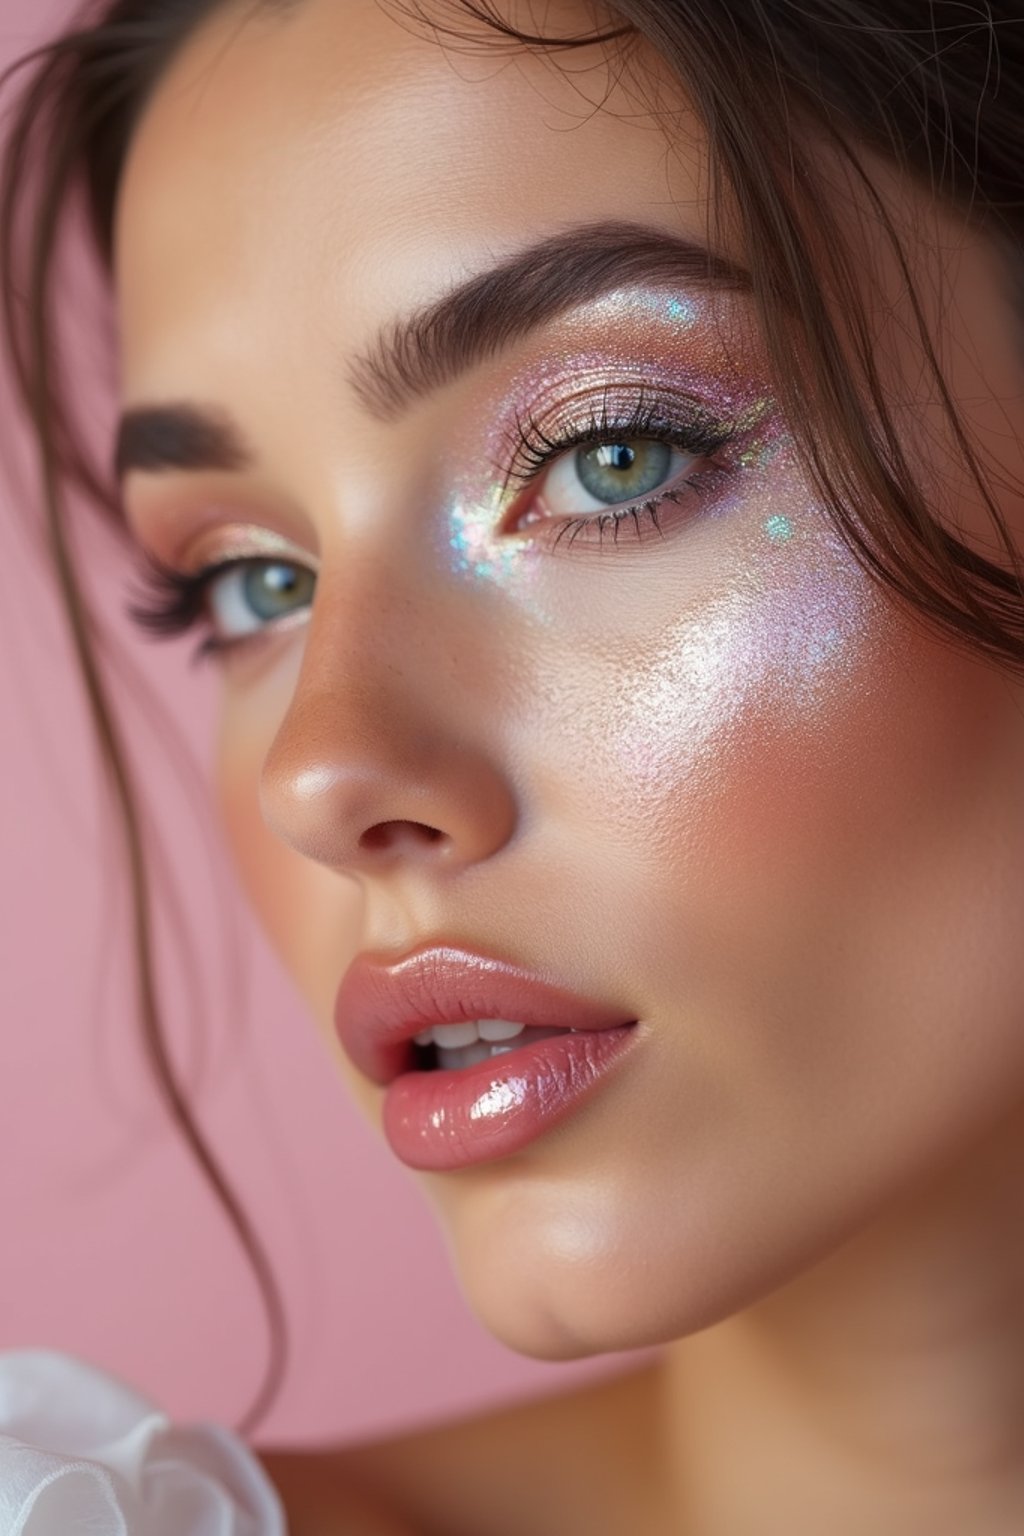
pixel 448 1047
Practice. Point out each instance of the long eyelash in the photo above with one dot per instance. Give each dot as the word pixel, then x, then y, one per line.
pixel 686 426
pixel 172 603
pixel 690 428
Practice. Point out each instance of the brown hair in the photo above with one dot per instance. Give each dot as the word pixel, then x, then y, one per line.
pixel 936 90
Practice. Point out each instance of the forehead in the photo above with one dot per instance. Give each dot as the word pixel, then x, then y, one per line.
pixel 329 163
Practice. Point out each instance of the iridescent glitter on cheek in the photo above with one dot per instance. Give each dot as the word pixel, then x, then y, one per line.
pixel 782 641
pixel 476 544
pixel 778 527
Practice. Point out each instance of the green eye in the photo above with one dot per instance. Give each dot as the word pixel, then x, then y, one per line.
pixel 247 595
pixel 271 590
pixel 617 472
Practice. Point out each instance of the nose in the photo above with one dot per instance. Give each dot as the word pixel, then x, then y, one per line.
pixel 383 759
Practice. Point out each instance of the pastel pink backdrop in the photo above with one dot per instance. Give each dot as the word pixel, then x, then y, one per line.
pixel 112 1246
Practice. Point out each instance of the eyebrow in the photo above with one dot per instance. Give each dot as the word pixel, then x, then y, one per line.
pixel 421 352
pixel 164 437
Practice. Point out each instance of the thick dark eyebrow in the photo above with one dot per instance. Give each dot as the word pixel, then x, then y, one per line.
pixel 162 437
pixel 427 349
pixel 433 345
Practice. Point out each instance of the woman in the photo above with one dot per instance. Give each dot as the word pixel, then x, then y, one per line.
pixel 640 391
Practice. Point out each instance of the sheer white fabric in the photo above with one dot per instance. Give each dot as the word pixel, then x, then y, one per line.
pixel 81 1454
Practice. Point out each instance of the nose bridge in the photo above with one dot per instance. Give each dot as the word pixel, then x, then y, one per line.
pixel 384 756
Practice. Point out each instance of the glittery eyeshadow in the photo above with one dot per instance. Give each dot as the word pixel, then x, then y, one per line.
pixel 683 344
pixel 754 635
pixel 240 541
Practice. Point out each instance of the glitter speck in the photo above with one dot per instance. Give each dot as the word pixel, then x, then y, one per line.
pixel 778 528
pixel 821 649
pixel 679 310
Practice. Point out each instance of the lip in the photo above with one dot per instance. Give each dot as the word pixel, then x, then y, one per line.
pixel 451 1118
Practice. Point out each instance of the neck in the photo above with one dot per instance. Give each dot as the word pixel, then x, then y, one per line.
pixel 883 1389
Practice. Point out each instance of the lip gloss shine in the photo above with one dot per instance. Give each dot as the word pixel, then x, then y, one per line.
pixel 451 1118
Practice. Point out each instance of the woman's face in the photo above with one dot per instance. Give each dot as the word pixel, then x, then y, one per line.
pixel 688 761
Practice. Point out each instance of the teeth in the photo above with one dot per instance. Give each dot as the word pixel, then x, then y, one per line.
pixel 498 1029
pixel 483 1050
pixel 452 1037
pixel 463 1045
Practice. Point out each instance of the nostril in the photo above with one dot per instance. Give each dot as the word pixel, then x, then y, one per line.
pixel 394 834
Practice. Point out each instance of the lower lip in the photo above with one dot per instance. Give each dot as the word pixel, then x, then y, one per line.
pixel 448 1119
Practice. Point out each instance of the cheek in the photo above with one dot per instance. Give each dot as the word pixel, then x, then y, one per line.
pixel 264 864
pixel 810 812
pixel 790 736
pixel 718 729
pixel 310 915
pixel 797 824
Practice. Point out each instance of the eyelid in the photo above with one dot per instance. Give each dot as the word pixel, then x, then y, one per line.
pixel 687 425
pixel 241 541
pixel 593 416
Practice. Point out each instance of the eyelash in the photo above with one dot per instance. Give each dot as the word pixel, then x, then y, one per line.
pixel 688 428
pixel 172 603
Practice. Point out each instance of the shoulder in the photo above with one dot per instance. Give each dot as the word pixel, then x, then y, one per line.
pixel 589 1452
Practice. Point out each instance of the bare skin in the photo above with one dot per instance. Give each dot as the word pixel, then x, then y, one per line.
pixel 720 779
pixel 587 1460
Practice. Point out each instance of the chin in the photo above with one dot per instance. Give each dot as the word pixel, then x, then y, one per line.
pixel 546 1304
pixel 556 1277
pixel 546 1326
pixel 554 1322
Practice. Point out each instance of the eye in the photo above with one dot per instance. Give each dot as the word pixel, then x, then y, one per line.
pixel 593 478
pixel 251 594
pixel 232 599
pixel 599 465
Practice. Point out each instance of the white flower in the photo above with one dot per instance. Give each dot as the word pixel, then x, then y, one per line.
pixel 81 1454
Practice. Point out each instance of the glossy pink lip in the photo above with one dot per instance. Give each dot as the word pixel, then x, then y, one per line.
pixel 447 1119
pixel 380 1005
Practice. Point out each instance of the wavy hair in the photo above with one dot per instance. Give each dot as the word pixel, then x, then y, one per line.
pixel 935 90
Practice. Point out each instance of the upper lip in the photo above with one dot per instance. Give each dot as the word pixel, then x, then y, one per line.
pixel 382 1003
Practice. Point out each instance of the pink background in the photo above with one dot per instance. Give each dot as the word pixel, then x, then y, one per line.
pixel 113 1247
